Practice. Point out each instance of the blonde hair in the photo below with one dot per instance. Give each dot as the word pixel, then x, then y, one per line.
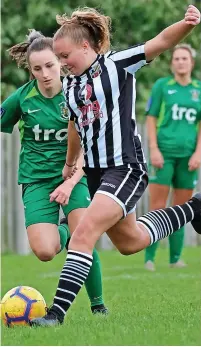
pixel 86 23
pixel 187 47
pixel 35 42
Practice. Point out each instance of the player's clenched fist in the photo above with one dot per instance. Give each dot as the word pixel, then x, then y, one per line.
pixel 192 16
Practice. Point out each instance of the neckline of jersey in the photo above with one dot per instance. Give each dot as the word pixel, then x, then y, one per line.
pixel 38 90
pixel 180 85
pixel 85 72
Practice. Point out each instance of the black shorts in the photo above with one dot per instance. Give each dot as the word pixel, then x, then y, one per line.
pixel 125 184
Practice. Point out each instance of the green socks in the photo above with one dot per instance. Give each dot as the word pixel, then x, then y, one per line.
pixel 93 282
pixel 64 235
pixel 150 252
pixel 176 241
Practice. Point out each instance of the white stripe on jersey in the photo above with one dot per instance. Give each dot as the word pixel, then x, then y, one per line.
pixel 129 53
pixel 98 89
pixel 112 72
pixel 105 112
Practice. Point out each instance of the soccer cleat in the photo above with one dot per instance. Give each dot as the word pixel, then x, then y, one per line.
pixel 179 264
pixel 51 319
pixel 149 265
pixel 196 222
pixel 100 309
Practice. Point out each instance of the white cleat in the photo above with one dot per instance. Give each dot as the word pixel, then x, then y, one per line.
pixel 149 265
pixel 178 264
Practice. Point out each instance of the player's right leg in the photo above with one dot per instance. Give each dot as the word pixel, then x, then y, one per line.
pixel 45 237
pixel 160 180
pixel 184 182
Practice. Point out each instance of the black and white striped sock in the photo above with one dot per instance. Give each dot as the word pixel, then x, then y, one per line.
pixel 161 223
pixel 73 276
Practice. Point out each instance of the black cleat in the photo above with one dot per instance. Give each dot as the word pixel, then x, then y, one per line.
pixel 49 320
pixel 196 222
pixel 100 309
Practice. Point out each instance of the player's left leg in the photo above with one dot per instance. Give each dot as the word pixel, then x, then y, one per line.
pixel 184 182
pixel 78 202
pixel 93 282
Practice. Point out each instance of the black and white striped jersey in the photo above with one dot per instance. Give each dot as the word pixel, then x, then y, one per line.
pixel 101 102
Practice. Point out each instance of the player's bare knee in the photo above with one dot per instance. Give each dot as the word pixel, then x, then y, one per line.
pixel 126 252
pixel 45 254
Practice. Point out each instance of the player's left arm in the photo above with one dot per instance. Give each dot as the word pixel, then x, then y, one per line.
pixel 173 34
pixel 195 160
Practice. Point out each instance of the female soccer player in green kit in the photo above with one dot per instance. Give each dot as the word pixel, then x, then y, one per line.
pixel 174 131
pixel 39 108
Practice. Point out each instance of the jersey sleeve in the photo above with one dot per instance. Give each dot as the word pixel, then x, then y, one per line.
pixel 131 59
pixel 155 100
pixel 10 113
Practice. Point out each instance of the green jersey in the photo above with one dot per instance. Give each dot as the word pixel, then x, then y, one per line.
pixel 43 131
pixel 178 112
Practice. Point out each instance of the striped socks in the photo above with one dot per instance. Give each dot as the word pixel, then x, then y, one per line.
pixel 162 223
pixel 73 276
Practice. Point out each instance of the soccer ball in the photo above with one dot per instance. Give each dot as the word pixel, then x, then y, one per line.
pixel 21 304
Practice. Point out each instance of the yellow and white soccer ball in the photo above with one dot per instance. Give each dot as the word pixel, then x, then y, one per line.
pixel 21 304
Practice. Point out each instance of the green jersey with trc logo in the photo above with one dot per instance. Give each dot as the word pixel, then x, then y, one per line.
pixel 178 112
pixel 43 126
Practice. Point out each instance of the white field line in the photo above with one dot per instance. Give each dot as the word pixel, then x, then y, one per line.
pixel 172 273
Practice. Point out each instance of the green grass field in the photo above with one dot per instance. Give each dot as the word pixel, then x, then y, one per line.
pixel 161 308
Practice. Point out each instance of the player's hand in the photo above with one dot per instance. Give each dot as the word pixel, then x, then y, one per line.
pixel 156 158
pixel 192 16
pixel 195 161
pixel 62 193
pixel 68 172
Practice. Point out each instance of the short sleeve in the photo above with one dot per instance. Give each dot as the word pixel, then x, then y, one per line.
pixel 130 59
pixel 155 100
pixel 10 112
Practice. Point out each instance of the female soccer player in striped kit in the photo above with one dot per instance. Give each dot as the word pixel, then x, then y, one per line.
pixel 100 94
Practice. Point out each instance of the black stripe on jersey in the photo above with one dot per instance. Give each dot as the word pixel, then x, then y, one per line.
pixel 109 107
pixel 125 111
pixel 132 60
pixel 69 81
pixel 96 128
pixel 86 127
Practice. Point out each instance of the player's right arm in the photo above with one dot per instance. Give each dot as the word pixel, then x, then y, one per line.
pixel 153 111
pixel 10 112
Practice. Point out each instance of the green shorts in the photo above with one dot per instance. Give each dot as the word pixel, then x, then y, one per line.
pixel 174 173
pixel 37 205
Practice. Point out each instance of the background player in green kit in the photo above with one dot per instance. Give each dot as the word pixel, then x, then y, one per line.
pixel 40 110
pixel 174 131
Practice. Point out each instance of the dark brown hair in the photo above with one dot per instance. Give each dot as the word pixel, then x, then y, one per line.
pixel 35 42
